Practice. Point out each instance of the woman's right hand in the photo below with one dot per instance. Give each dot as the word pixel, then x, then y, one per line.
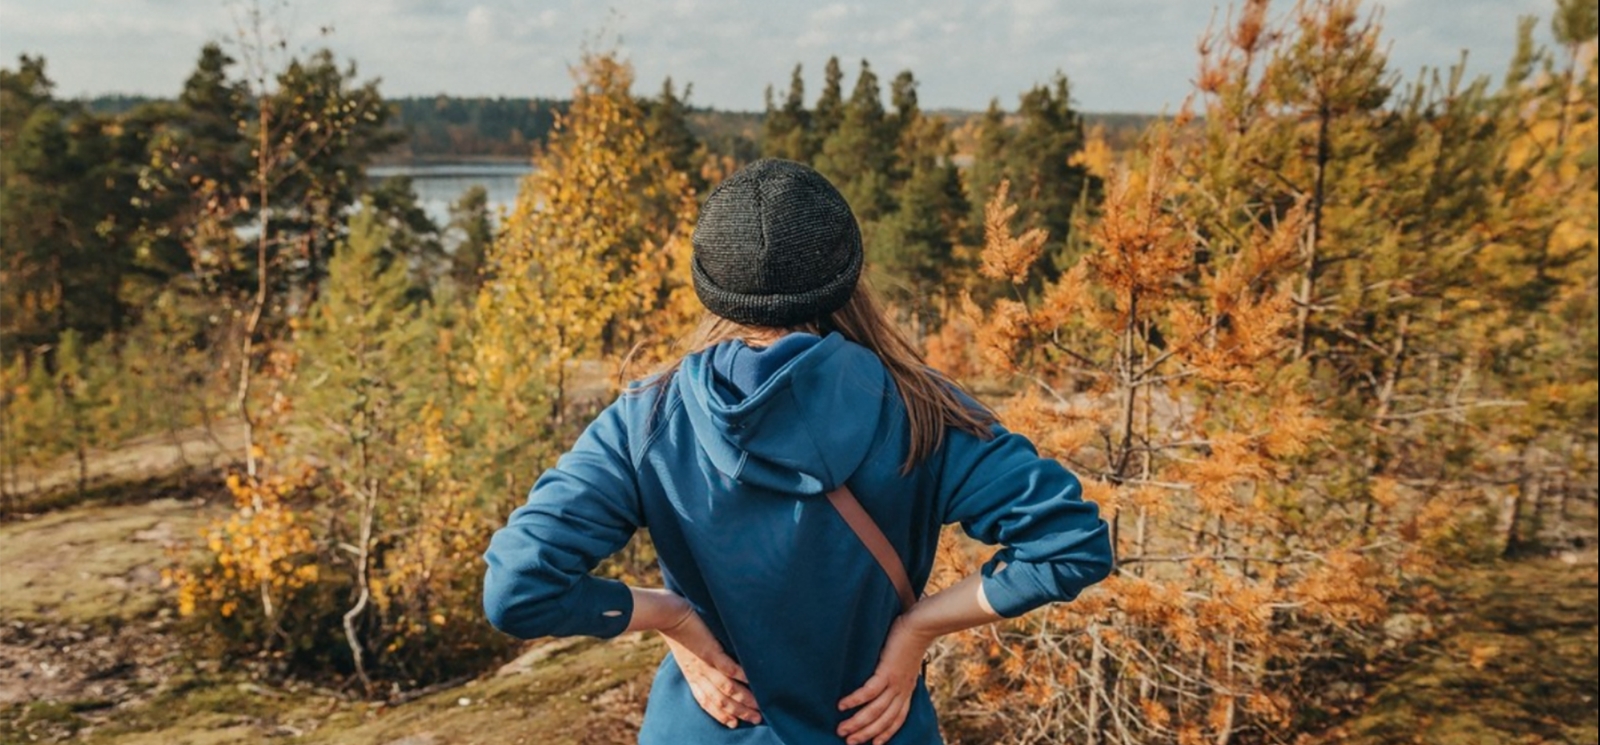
pixel 718 683
pixel 885 699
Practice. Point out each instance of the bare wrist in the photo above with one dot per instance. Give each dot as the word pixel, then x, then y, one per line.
pixel 918 628
pixel 656 609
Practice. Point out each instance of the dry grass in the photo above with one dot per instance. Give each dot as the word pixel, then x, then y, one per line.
pixel 151 458
pixel 95 562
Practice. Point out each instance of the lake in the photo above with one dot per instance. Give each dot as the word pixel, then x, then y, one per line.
pixel 439 185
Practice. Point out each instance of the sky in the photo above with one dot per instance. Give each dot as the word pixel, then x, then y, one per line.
pixel 1120 55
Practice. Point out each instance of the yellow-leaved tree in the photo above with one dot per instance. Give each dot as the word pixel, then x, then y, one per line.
pixel 591 261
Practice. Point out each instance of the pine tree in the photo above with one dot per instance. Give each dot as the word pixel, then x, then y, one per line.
pixel 786 133
pixel 414 239
pixel 667 129
pixel 988 167
pixel 65 218
pixel 903 97
pixel 828 114
pixel 1536 278
pixel 913 248
pixel 1041 162
pixel 361 335
pixel 310 129
pixel 469 218
pixel 859 156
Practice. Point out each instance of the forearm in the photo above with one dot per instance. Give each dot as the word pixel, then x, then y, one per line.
pixel 656 608
pixel 958 607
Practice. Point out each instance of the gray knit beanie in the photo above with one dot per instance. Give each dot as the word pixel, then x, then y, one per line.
pixel 776 245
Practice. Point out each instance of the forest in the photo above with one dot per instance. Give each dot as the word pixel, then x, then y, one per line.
pixel 1315 343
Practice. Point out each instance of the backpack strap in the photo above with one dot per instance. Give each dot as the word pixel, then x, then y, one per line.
pixel 849 508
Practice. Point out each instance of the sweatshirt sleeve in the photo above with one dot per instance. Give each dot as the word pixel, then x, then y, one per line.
pixel 1002 492
pixel 584 509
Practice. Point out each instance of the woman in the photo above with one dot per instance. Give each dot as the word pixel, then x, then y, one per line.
pixel 782 626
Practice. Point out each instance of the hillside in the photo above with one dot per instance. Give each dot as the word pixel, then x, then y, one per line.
pixel 90 651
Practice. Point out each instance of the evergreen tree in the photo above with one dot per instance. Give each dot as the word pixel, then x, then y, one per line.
pixel 1041 162
pixel 914 247
pixel 859 155
pixel 34 148
pixel 330 127
pixel 154 219
pixel 470 220
pixel 212 104
pixel 1535 285
pixel 828 114
pixel 364 380
pixel 667 129
pixel 282 150
pixel 903 96
pixel 205 158
pixel 308 131
pixel 786 132
pixel 413 237
pixel 66 218
pixel 988 167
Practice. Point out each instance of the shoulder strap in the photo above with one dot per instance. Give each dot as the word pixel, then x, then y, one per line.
pixel 876 542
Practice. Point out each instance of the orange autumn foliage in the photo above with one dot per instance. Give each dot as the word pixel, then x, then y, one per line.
pixel 1169 386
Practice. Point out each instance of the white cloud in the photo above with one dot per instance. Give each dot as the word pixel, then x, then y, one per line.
pixel 828 13
pixel 481 24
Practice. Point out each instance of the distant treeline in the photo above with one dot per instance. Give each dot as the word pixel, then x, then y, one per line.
pixel 473 127
pixel 441 127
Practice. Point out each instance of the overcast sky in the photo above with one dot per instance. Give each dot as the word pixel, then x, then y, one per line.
pixel 1121 55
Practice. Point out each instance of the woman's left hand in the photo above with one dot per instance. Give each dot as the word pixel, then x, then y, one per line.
pixel 718 683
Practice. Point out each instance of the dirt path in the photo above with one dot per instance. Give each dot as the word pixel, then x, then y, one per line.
pixel 196 449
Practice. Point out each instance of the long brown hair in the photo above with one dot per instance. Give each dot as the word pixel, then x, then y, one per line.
pixel 933 402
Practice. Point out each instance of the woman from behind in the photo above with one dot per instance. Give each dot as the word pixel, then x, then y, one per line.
pixel 800 429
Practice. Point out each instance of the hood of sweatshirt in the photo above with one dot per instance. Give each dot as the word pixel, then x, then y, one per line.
pixel 797 417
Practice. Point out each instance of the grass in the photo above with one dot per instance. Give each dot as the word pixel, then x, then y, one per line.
pixel 92 563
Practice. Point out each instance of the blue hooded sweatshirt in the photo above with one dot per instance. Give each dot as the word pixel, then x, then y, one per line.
pixel 727 464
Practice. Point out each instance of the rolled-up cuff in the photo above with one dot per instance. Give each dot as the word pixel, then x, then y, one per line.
pixel 604 607
pixel 1012 590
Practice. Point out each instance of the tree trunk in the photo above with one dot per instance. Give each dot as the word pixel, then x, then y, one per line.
pixel 1096 716
pixel 1308 281
pixel 363 560
pixel 1528 487
pixel 1373 464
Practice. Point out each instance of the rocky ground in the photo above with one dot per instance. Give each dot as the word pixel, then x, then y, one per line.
pixel 89 652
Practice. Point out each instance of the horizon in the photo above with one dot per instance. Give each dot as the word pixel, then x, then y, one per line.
pixel 942 110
